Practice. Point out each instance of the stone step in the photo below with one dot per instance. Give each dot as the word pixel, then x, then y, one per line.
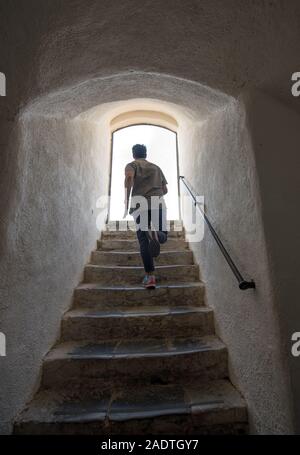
pixel 134 258
pixel 112 274
pixel 203 408
pixel 173 294
pixel 131 235
pixel 133 245
pixel 85 365
pixel 136 361
pixel 136 322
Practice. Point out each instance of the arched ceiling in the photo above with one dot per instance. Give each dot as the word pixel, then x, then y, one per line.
pixel 143 116
pixel 137 91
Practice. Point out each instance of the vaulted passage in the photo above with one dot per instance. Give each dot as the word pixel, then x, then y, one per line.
pixel 67 155
pixel 81 332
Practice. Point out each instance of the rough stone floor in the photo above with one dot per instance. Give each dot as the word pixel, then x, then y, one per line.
pixel 136 361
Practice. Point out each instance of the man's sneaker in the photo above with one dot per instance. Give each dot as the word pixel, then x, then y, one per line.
pixel 149 282
pixel 154 245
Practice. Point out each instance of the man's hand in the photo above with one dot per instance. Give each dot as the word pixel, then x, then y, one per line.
pixel 128 183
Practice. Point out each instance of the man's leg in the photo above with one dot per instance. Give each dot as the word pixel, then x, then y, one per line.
pixel 159 221
pixel 145 252
pixel 142 235
pixel 162 232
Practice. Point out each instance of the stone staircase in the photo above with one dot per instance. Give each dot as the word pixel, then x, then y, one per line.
pixel 136 361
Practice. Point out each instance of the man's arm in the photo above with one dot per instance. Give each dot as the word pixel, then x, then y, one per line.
pixel 128 184
pixel 164 183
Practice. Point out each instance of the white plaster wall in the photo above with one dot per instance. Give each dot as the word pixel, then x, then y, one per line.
pixel 62 169
pixel 276 137
pixel 220 161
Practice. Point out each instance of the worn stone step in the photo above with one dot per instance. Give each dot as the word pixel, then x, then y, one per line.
pixel 142 322
pixel 131 235
pixel 134 258
pixel 111 274
pixel 203 408
pixel 133 245
pixel 101 296
pixel 114 363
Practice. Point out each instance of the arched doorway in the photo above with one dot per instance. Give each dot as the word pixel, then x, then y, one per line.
pixel 161 144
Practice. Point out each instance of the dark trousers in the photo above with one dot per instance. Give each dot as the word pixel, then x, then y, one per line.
pixel 158 217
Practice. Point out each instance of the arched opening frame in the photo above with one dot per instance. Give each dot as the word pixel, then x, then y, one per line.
pixel 157 125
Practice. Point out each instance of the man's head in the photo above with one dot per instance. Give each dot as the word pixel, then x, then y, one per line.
pixel 139 151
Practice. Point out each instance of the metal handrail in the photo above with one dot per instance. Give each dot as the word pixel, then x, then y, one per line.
pixel 243 284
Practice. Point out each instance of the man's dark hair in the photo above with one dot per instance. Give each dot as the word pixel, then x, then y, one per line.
pixel 139 151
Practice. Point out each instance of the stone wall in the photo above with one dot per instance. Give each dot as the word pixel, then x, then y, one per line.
pixel 62 169
pixel 235 161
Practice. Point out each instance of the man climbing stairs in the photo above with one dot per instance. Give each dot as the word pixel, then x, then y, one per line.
pixel 136 361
